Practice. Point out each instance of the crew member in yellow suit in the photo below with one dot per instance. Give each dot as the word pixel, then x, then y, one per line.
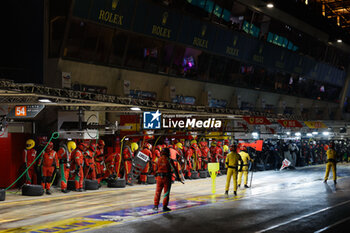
pixel 244 171
pixel 231 163
pixel 331 163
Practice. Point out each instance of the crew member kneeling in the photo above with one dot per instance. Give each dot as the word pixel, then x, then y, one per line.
pixel 231 163
pixel 331 163
pixel 164 173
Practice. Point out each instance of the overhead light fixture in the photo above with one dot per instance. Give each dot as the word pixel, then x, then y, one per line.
pixel 309 135
pixel 45 101
pixel 135 109
pixel 315 133
pixel 298 134
pixel 255 134
pixel 339 40
pixel 269 5
pixel 325 133
pixel 288 133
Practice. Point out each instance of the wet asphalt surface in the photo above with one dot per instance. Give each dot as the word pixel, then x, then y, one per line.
pixel 278 201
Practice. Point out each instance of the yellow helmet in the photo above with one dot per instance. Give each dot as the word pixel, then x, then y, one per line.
pixel 71 146
pixel 179 145
pixel 134 147
pixel 193 142
pixel 30 143
pixel 225 147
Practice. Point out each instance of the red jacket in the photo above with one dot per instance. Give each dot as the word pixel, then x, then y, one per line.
pixel 163 165
pixel 49 159
pixel 77 159
pixel 29 156
pixel 127 154
pixel 64 155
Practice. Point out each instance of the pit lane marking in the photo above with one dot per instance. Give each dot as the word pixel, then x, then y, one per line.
pixel 303 216
pixel 334 224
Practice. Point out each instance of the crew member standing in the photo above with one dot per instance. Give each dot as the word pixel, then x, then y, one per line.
pixel 29 155
pixel 147 150
pixel 64 156
pixel 205 154
pixel 77 166
pixel 164 173
pixel 50 162
pixel 331 163
pixel 128 155
pixel 89 162
pixel 155 157
pixel 99 160
pixel 233 159
pixel 245 159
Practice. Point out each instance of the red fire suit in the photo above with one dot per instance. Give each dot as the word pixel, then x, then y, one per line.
pixel 220 155
pixel 145 171
pixel 64 157
pixel 127 156
pixel 198 159
pixel 189 161
pixel 29 156
pixel 213 153
pixel 100 164
pixel 113 162
pixel 90 169
pixel 163 180
pixel 205 157
pixel 77 167
pixel 155 157
pixel 49 160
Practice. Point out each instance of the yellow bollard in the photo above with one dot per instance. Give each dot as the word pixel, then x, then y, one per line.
pixel 213 169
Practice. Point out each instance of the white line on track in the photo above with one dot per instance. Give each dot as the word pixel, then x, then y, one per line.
pixel 334 224
pixel 302 217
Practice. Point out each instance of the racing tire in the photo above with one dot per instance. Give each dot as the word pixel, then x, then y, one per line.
pixel 151 179
pixel 32 190
pixel 118 183
pixel 91 184
pixel 71 185
pixel 194 175
pixel 203 174
pixel 2 194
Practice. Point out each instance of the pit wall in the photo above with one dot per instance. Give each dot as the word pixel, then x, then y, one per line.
pixel 114 78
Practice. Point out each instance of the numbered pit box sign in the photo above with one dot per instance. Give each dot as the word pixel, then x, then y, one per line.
pixel 25 111
pixel 21 111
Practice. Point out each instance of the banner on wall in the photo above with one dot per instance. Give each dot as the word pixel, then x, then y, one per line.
pixel 315 124
pixel 66 80
pixel 126 87
pixel 156 21
pixel 197 33
pixel 257 120
pixel 115 13
pixel 290 123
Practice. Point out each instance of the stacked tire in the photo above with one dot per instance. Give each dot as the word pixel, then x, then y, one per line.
pixel 194 175
pixel 2 194
pixel 116 183
pixel 32 190
pixel 151 179
pixel 91 184
pixel 71 185
pixel 203 174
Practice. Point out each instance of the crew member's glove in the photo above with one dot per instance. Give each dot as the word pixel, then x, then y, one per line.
pixel 68 165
